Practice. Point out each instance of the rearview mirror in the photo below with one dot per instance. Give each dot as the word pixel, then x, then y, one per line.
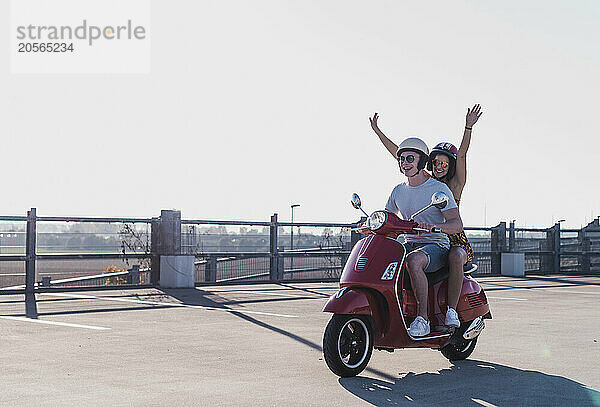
pixel 439 200
pixel 355 201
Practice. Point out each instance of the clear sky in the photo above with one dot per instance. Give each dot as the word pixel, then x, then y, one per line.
pixel 253 106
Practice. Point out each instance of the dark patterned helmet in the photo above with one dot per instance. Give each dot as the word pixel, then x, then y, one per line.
pixel 450 151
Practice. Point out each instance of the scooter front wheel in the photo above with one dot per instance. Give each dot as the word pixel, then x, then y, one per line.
pixel 347 344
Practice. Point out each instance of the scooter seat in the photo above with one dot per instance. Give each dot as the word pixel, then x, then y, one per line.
pixel 440 275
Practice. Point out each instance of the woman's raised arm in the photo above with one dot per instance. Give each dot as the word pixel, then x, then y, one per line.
pixel 473 115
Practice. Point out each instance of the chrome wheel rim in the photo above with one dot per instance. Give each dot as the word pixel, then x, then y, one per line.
pixel 353 343
pixel 466 348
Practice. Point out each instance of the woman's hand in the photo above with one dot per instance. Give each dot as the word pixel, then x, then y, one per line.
pixel 473 115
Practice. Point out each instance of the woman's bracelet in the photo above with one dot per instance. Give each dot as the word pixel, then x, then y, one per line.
pixel 468 128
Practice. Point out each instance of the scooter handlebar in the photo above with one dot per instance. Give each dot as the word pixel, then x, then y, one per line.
pixel 424 230
pixel 395 226
pixel 363 230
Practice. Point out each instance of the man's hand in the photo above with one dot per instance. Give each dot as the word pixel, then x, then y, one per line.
pixel 473 115
pixel 363 229
pixel 453 222
pixel 427 226
pixel 373 121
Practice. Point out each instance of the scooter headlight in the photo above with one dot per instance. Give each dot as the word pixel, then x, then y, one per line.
pixel 377 220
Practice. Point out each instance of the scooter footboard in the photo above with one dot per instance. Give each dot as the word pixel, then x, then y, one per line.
pixel 357 301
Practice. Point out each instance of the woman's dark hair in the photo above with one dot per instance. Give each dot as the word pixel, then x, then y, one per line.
pixel 451 167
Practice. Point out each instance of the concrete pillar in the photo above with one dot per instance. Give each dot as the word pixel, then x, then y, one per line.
pixel 584 249
pixel 498 246
pixel 170 233
pixel 169 267
pixel 177 271
pixel 154 249
pixel 134 274
pixel 210 269
pixel 550 263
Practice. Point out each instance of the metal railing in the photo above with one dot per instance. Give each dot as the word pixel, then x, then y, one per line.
pixel 543 254
pixel 91 251
pixel 264 255
pixel 38 251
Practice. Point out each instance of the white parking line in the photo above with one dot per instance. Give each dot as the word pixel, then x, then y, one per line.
pixel 561 291
pixel 553 290
pixel 483 403
pixel 40 321
pixel 279 290
pixel 508 298
pixel 168 304
pixel 256 292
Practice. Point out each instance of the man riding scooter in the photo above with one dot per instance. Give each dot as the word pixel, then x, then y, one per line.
pixel 427 252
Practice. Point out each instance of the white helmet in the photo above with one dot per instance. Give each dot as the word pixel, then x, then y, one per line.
pixel 417 145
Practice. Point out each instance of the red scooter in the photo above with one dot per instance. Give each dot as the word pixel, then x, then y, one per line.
pixel 375 303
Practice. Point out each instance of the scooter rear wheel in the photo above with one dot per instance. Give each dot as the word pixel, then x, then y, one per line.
pixel 460 351
pixel 347 344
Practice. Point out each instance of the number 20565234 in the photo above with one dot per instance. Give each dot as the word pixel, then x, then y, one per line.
pixel 45 47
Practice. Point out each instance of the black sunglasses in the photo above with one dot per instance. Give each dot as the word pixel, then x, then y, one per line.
pixel 409 159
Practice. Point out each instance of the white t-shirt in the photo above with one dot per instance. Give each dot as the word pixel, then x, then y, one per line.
pixel 405 200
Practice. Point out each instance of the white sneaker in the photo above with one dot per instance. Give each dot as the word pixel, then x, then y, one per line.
pixel 419 327
pixel 452 318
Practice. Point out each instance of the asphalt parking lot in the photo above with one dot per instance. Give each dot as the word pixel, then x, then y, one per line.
pixel 261 345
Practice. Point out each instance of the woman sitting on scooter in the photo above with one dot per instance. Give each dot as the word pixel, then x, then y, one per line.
pixel 448 165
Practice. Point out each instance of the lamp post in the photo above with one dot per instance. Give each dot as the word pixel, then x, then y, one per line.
pixel 292 235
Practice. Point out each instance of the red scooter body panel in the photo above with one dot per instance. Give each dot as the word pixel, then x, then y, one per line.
pixel 472 302
pixel 353 301
pixel 374 274
pixel 358 301
pixel 371 259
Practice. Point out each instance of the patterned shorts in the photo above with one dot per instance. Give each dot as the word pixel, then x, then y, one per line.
pixel 460 240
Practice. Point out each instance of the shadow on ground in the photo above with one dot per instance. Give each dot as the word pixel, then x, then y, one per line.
pixel 200 297
pixel 465 383
pixel 183 295
pixel 472 383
